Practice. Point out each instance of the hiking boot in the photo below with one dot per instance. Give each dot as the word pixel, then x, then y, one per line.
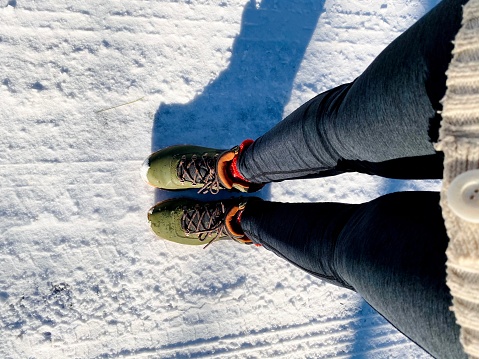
pixel 192 222
pixel 207 169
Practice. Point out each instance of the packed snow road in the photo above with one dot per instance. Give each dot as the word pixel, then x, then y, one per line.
pixel 89 89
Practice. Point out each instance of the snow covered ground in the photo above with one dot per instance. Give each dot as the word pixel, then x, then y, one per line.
pixel 82 275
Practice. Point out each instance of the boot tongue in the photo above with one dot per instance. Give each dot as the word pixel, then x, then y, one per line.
pixel 231 222
pixel 223 169
pixel 203 169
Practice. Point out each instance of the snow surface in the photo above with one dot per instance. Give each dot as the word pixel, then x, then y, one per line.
pixel 88 90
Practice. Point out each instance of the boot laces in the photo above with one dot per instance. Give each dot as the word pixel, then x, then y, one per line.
pixel 200 170
pixel 205 221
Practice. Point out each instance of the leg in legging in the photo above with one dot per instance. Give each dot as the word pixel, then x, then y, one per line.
pixel 390 250
pixel 387 113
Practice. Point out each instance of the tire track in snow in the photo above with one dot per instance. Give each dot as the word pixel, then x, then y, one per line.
pixel 18 175
pixel 25 32
pixel 329 337
pixel 167 19
pixel 174 13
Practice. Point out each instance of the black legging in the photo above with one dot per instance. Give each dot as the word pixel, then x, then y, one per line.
pixel 390 250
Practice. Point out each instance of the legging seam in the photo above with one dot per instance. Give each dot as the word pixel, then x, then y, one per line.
pixel 290 172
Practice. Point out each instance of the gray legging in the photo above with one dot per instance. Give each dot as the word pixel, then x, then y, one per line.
pixel 390 250
pixel 382 123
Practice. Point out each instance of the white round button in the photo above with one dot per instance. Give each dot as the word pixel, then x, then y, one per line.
pixel 463 196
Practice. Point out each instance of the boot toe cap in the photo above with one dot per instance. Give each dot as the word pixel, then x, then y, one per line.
pixel 165 221
pixel 159 170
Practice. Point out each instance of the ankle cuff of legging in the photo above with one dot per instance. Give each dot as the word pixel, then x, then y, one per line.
pixel 234 170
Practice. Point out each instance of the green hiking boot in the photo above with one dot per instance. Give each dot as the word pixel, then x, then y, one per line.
pixel 192 222
pixel 206 169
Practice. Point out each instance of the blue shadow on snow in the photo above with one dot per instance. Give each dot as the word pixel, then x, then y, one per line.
pixel 247 98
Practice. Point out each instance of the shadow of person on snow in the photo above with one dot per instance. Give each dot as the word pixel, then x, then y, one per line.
pixel 248 97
